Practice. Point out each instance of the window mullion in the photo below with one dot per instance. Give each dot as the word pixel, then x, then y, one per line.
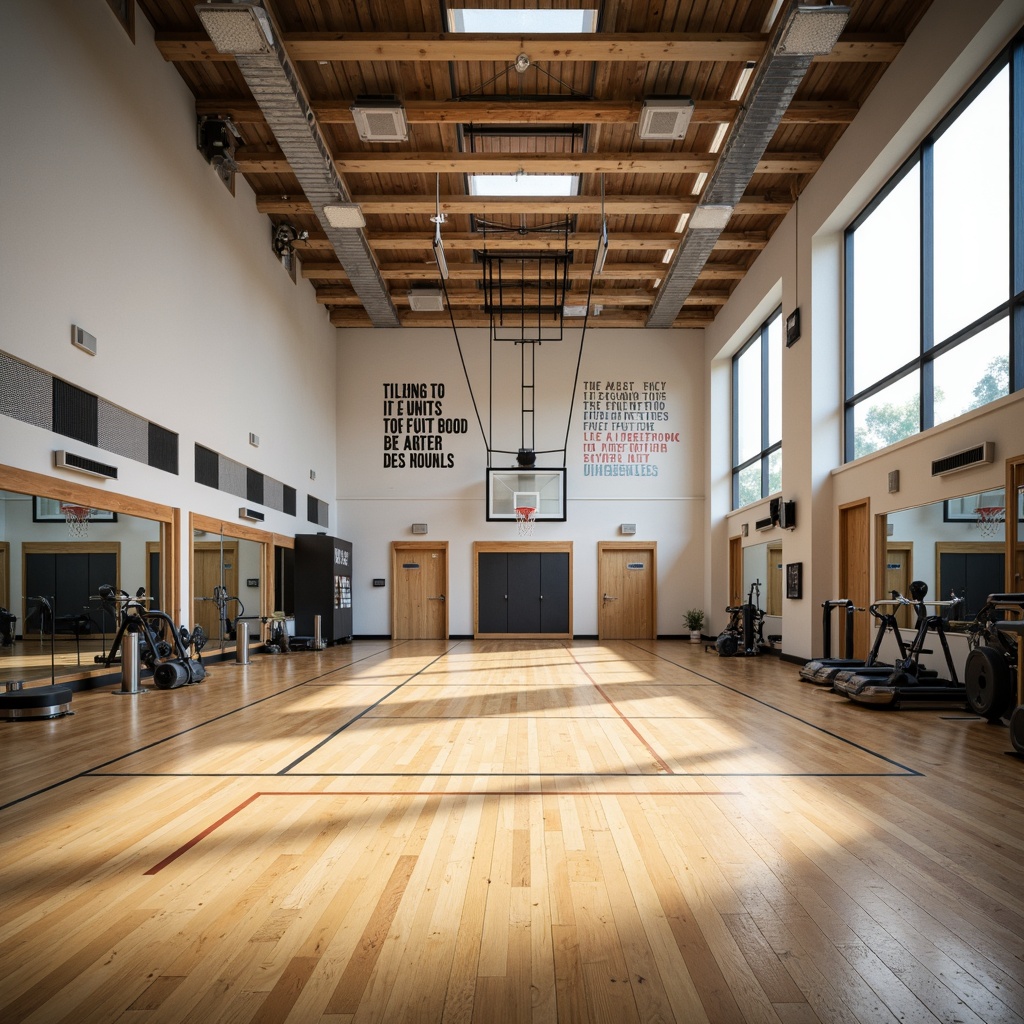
pixel 926 382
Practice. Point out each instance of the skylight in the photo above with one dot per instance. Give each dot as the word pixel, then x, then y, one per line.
pixel 523 22
pixel 523 184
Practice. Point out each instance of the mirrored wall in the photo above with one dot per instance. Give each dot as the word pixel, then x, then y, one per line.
pixel 64 550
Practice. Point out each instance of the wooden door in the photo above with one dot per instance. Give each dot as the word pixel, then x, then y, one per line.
pixel 855 570
pixel 774 596
pixel 207 566
pixel 735 571
pixel 626 580
pixel 419 593
pixel 899 564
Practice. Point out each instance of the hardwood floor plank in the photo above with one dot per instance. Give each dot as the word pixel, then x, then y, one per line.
pixel 478 831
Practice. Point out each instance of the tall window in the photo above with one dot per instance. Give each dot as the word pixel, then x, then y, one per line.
pixel 757 415
pixel 935 276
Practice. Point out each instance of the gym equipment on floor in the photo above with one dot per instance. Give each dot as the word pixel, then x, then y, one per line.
pixel 907 679
pixel 744 635
pixel 170 661
pixel 822 671
pixel 990 673
pixel 37 702
pixel 8 624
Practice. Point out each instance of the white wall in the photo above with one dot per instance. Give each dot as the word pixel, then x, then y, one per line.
pixel 952 44
pixel 379 504
pixel 112 219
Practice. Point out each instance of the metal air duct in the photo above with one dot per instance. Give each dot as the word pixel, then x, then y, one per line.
pixel 275 86
pixel 801 32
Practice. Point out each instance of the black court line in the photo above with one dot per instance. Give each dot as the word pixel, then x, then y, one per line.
pixel 330 736
pixel 192 728
pixel 789 714
pixel 496 775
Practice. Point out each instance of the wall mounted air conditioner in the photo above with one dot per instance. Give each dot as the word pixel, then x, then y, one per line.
pixel 251 514
pixel 665 118
pixel 68 460
pixel 978 455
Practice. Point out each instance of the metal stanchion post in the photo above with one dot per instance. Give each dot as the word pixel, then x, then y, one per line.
pixel 130 662
pixel 242 643
pixel 318 644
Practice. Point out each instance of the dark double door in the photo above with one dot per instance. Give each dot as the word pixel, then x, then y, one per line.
pixel 523 592
pixel 71 582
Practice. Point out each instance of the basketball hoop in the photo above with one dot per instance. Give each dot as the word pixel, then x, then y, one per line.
pixel 990 519
pixel 77 518
pixel 526 516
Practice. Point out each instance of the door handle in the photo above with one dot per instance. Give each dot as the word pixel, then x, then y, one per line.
pixel 609 597
pixel 440 597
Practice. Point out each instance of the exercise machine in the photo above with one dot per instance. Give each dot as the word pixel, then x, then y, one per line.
pixel 822 671
pixel 907 679
pixel 170 661
pixel 8 627
pixel 744 635
pixel 990 673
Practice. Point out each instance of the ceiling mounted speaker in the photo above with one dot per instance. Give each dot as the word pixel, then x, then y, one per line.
pixel 665 118
pixel 424 300
pixel 380 120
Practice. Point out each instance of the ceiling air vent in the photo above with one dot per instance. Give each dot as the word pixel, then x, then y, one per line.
pixel 665 118
pixel 979 455
pixel 380 120
pixel 424 300
pixel 68 460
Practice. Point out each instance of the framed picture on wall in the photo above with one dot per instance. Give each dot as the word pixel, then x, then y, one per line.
pixel 794 580
pixel 49 510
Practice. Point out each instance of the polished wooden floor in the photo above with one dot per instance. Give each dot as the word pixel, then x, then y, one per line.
pixel 508 831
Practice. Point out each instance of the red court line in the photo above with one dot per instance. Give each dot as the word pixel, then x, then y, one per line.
pixel 658 759
pixel 171 857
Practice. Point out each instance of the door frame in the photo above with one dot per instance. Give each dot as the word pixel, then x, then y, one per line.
pixel 903 616
pixel 848 557
pixel 735 571
pixel 525 547
pixel 650 546
pixel 401 547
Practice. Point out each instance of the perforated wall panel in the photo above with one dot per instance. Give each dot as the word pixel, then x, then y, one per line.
pixel 122 432
pixel 26 393
pixel 74 412
pixel 253 486
pixel 273 493
pixel 232 477
pixel 163 449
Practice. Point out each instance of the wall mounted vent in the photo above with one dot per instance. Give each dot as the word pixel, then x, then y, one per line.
pixel 764 524
pixel 380 120
pixel 978 455
pixel 251 514
pixel 665 118
pixel 82 339
pixel 68 460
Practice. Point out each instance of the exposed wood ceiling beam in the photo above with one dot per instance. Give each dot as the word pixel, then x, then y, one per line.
pixel 473 297
pixel 522 205
pixel 637 47
pixel 473 272
pixel 259 160
pixel 463 241
pixel 243 111
pixel 467 318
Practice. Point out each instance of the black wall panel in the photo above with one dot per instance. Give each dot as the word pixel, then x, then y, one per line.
pixel 75 412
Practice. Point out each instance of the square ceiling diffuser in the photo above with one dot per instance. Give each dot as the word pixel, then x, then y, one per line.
pixel 380 120
pixel 665 118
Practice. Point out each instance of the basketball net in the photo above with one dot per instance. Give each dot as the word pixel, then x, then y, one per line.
pixel 990 520
pixel 526 516
pixel 77 518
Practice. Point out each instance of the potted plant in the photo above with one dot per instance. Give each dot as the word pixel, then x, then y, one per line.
pixel 695 623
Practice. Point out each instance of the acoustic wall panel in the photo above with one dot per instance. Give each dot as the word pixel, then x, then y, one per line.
pixel 75 412
pixel 26 393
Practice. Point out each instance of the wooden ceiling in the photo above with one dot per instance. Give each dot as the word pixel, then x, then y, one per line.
pixel 573 111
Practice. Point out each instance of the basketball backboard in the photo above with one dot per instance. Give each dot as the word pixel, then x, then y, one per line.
pixel 542 489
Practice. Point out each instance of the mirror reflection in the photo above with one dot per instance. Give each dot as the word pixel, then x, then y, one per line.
pixel 762 571
pixel 956 546
pixel 54 559
pixel 226 586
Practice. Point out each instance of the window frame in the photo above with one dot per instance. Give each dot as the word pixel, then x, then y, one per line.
pixel 1012 307
pixel 767 448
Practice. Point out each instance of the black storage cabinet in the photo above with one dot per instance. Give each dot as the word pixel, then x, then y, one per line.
pixel 323 586
pixel 523 592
